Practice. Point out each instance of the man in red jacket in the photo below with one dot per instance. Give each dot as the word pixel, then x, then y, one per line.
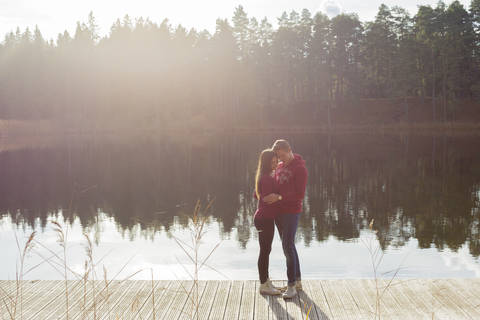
pixel 292 175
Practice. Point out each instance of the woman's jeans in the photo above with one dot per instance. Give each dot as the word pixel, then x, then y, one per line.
pixel 266 230
pixel 287 224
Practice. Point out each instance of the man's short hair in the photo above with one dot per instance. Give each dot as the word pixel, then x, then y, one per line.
pixel 281 145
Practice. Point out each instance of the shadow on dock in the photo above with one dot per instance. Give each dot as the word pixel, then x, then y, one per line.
pixel 300 307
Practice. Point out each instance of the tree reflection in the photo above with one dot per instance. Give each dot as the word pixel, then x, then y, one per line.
pixel 413 186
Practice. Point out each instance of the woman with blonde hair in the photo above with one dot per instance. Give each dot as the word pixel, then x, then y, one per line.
pixel 264 220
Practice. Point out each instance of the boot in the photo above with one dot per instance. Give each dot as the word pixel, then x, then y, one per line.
pixel 290 293
pixel 271 285
pixel 265 289
pixel 298 285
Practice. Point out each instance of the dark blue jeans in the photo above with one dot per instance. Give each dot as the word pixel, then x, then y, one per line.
pixel 287 224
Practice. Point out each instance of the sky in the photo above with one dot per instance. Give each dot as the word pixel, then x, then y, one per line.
pixel 55 16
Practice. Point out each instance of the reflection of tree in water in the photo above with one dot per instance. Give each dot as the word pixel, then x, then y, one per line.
pixel 244 221
pixel 474 237
pixel 351 183
pixel 422 187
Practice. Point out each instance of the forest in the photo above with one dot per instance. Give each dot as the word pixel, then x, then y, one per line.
pixel 145 74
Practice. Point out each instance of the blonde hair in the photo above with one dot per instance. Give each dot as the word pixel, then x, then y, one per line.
pixel 281 145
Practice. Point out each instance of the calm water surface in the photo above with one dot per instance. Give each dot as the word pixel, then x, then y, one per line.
pixel 129 195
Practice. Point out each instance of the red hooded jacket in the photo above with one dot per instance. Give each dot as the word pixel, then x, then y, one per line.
pixel 293 182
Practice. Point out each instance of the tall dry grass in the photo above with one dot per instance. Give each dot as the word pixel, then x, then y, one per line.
pixel 375 245
pixel 13 298
pixel 88 296
pixel 197 229
pixel 196 226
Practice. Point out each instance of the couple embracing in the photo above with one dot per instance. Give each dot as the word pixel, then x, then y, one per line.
pixel 279 188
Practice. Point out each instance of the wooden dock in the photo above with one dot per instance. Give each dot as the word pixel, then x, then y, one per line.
pixel 164 299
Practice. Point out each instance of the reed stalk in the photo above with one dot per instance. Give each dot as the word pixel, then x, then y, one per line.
pixel 196 226
pixel 13 299
pixel 197 229
pixel 374 245
pixel 94 307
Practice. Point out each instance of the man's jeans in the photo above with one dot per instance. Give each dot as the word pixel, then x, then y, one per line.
pixel 287 224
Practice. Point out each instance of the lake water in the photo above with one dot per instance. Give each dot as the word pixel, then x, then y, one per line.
pixel 129 194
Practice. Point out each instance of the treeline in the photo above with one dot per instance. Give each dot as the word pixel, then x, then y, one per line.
pixel 145 74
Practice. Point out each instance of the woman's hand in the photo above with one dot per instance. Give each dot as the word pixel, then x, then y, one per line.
pixel 271 198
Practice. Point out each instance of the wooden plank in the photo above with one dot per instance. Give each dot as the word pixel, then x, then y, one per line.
pixel 208 297
pixel 436 310
pixel 334 301
pixel 278 305
pixel 262 303
pixel 363 299
pixel 307 304
pixel 24 301
pixel 407 301
pixel 149 309
pixel 467 290
pixel 473 286
pixel 163 306
pixel 139 299
pixel 276 309
pixel 374 291
pixel 151 297
pixel 56 302
pixel 367 290
pixel 30 287
pixel 34 303
pixel 391 303
pixel 248 301
pixel 439 289
pixel 77 298
pixel 465 300
pixel 185 304
pixel 43 297
pixel 220 302
pixel 234 300
pixel 113 293
pixel 126 300
pixel 193 306
pixel 271 306
pixel 225 300
pixel 25 288
pixel 91 301
pixel 10 298
pixel 418 298
pixel 100 301
pixel 453 300
pixel 349 304
pixel 470 286
pixel 135 299
pixel 321 308
pixel 294 307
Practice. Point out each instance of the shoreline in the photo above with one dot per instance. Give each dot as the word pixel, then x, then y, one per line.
pixel 451 128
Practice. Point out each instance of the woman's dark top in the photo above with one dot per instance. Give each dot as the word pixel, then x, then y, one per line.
pixel 267 185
